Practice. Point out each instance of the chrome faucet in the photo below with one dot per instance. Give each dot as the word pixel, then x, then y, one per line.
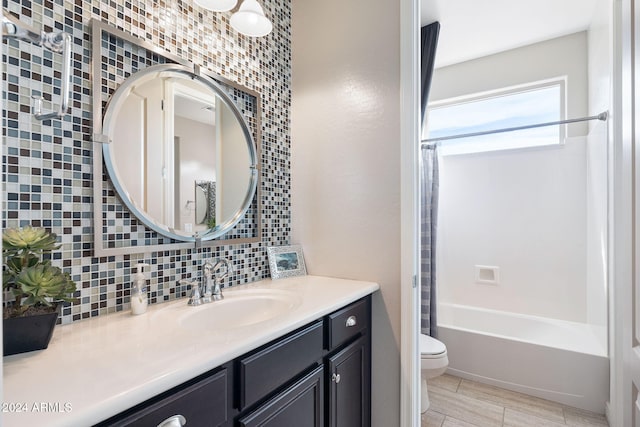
pixel 216 293
pixel 209 290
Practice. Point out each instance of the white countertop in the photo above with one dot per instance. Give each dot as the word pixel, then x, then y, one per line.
pixel 96 368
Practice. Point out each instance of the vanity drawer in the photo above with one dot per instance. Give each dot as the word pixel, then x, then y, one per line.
pixel 347 323
pixel 201 403
pixel 264 371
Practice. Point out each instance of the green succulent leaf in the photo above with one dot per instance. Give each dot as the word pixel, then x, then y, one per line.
pixel 28 239
pixel 43 284
pixel 17 263
pixel 32 281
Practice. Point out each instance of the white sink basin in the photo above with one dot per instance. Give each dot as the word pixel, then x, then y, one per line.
pixel 239 309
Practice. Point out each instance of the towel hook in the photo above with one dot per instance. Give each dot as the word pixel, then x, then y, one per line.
pixel 55 42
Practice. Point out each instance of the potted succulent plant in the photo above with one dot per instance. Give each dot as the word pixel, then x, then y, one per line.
pixel 37 287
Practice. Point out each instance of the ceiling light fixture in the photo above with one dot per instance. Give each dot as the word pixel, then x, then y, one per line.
pixel 250 20
pixel 217 5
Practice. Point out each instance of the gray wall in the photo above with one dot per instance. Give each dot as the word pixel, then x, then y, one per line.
pixel 345 162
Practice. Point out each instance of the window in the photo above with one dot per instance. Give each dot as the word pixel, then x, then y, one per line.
pixel 522 106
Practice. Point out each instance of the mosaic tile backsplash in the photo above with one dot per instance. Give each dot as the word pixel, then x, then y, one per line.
pixel 119 59
pixel 47 166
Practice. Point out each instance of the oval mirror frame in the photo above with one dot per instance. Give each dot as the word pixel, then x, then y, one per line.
pixel 112 108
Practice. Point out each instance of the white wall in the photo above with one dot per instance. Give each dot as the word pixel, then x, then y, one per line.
pixel 596 226
pixel 130 154
pixel 523 211
pixel 197 163
pixel 345 162
pixel 600 57
pixel 233 164
pixel 137 150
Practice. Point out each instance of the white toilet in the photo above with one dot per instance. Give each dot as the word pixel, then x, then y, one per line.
pixel 433 363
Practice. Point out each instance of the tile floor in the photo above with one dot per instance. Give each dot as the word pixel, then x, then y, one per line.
pixel 456 402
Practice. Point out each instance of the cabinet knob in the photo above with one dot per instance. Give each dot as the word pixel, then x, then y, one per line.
pixel 335 378
pixel 352 321
pixel 174 421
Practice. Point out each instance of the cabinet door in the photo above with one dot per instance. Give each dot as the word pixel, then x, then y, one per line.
pixel 349 386
pixel 300 405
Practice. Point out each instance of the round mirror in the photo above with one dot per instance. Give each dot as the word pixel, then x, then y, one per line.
pixel 180 153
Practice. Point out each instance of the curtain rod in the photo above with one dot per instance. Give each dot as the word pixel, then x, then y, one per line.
pixel 602 116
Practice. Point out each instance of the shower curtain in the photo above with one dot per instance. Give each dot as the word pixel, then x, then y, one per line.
pixel 428 192
pixel 428 222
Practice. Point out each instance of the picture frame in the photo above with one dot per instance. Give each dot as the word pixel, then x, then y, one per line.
pixel 286 261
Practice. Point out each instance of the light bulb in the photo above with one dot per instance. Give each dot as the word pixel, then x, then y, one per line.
pixel 250 20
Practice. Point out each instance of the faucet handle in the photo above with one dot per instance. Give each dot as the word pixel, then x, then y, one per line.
pixel 227 265
pixel 216 292
pixel 195 298
pixel 207 269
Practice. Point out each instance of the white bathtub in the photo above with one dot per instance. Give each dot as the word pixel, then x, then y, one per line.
pixel 558 360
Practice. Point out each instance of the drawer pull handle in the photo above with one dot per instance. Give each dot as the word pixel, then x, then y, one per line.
pixel 335 378
pixel 174 421
pixel 352 321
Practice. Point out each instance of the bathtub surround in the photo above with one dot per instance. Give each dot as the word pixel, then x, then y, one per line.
pixel 597 286
pixel 552 198
pixel 48 180
pixel 600 78
pixel 523 211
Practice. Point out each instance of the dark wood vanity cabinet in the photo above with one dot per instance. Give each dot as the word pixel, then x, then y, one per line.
pixel 316 376
pixel 333 391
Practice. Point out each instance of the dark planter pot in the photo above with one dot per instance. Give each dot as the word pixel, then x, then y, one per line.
pixel 29 333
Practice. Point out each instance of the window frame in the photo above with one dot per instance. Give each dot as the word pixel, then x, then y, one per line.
pixel 560 82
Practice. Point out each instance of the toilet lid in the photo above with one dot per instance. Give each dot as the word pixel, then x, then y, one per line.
pixel 430 345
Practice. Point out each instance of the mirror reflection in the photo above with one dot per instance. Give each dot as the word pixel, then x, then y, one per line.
pixel 181 153
pixel 205 203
